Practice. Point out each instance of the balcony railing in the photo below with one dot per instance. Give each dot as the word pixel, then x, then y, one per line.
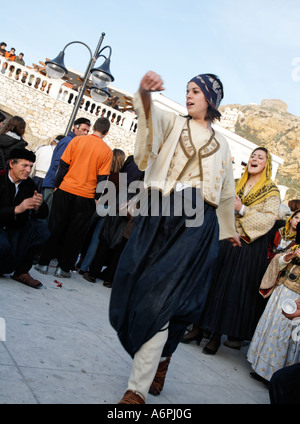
pixel 58 90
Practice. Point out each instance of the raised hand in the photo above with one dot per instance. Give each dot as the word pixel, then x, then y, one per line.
pixel 151 82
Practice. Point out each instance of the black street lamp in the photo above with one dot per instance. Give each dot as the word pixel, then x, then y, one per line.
pixel 101 76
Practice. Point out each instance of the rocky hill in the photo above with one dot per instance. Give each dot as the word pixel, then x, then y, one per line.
pixel 271 126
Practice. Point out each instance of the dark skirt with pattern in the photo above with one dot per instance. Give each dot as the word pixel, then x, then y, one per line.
pixel 234 304
pixel 163 275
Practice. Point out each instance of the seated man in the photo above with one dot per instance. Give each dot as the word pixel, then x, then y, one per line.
pixel 22 232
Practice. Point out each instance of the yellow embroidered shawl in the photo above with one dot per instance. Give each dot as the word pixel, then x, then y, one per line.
pixel 264 188
pixel 285 231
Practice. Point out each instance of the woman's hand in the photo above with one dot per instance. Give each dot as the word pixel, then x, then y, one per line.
pixel 151 82
pixel 235 241
pixel 237 204
pixel 295 314
pixel 291 255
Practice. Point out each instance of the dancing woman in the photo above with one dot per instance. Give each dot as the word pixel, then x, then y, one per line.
pixel 163 276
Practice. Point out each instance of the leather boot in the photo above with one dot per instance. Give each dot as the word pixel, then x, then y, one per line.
pixel 160 376
pixel 132 398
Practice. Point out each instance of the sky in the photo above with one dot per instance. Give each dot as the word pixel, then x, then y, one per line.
pixel 252 45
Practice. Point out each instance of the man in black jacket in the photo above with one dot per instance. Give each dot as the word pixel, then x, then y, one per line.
pixel 22 208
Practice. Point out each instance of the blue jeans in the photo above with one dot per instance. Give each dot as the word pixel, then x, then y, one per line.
pixel 89 256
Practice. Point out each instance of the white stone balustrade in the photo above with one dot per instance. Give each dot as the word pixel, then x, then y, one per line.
pixel 60 92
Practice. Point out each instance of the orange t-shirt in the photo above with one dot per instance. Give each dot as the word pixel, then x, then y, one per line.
pixel 10 56
pixel 88 157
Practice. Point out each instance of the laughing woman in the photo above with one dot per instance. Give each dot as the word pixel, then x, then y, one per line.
pixel 234 305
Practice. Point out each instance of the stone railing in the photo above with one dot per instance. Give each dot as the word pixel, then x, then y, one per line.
pixel 58 90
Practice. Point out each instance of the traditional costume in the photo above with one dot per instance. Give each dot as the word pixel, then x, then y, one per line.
pixel 276 343
pixel 234 306
pixel 284 239
pixel 163 276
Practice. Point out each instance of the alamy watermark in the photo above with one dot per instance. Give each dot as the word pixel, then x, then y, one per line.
pixel 136 199
pixel 296 69
pixel 2 330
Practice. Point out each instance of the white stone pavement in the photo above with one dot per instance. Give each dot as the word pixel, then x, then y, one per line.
pixel 60 348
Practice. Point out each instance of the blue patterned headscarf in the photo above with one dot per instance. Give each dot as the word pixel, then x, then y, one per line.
pixel 211 88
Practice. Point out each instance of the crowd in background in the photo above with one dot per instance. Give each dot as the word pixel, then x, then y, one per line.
pixel 11 54
pixel 249 281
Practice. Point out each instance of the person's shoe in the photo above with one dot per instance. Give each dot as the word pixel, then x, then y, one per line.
pixel 233 344
pixel 194 335
pixel 28 280
pixel 131 397
pixel 43 269
pixel 89 277
pixel 107 284
pixel 211 348
pixel 160 376
pixel 62 274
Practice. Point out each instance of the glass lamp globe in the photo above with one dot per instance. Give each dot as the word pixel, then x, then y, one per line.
pixel 55 71
pixel 101 79
pixel 98 95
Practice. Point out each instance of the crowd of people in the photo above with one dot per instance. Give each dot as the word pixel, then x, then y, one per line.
pixel 174 277
pixel 11 54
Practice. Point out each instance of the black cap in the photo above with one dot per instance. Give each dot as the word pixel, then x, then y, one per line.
pixel 22 154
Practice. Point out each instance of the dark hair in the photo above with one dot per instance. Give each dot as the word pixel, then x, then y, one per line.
pixel 102 125
pixel 2 117
pixel 80 121
pixel 261 148
pixel 212 114
pixel 59 137
pixel 16 124
pixel 3 44
pixel 294 204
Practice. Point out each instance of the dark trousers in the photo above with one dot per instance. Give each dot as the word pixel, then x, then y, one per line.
pixel 18 246
pixel 106 257
pixel 285 386
pixel 69 221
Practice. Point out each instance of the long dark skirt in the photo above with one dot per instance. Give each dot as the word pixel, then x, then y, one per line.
pixel 163 275
pixel 234 304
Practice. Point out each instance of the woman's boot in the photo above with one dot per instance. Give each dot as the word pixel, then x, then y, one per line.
pixel 160 376
pixel 195 334
pixel 213 345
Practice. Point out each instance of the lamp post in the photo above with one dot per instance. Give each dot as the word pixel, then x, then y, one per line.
pixel 101 76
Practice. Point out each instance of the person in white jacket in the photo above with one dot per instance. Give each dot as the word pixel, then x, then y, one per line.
pixel 163 275
pixel 42 163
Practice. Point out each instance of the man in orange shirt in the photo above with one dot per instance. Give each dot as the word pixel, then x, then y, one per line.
pixel 11 55
pixel 85 162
